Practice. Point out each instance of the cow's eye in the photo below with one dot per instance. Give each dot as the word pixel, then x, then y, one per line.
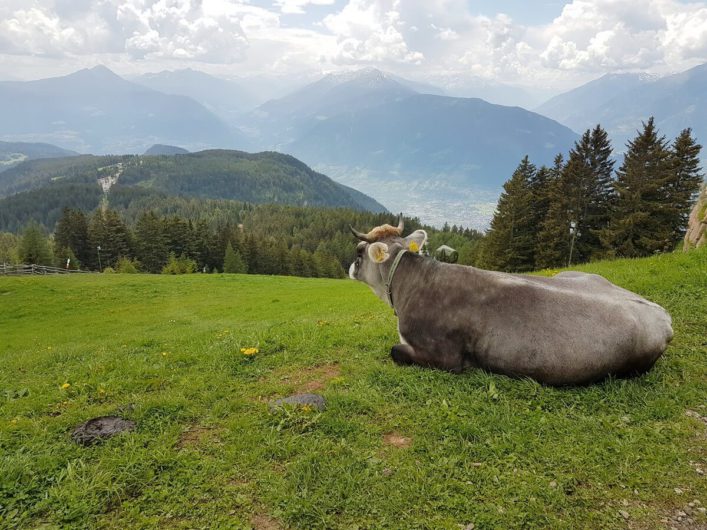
pixel 358 261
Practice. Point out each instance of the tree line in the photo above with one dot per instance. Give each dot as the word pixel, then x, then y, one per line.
pixel 580 209
pixel 224 237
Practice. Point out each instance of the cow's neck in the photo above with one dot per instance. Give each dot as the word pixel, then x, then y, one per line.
pixel 389 276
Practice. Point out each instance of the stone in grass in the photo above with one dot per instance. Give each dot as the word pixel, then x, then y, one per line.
pixel 314 401
pixel 101 428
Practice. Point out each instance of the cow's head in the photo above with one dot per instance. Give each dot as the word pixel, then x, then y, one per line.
pixel 376 251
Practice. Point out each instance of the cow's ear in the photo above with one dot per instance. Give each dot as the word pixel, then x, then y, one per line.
pixel 415 241
pixel 378 252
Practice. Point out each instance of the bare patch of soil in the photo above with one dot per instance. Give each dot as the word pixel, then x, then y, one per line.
pixel 262 521
pixel 195 435
pixel 306 380
pixel 395 439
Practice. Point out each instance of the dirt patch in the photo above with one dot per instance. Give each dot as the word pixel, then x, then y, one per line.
pixel 397 440
pixel 304 380
pixel 195 435
pixel 263 521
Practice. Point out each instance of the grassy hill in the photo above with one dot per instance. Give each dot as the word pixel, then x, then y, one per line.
pixel 396 448
pixel 39 189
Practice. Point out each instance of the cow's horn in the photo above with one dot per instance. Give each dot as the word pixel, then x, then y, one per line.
pixel 360 235
pixel 401 224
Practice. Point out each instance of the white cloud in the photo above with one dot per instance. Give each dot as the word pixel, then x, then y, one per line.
pixel 297 6
pixel 183 29
pixel 424 39
pixel 369 31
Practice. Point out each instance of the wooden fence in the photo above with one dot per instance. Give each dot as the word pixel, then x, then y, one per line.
pixel 17 270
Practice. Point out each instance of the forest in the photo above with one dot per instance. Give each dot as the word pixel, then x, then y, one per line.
pixel 580 209
pixel 180 235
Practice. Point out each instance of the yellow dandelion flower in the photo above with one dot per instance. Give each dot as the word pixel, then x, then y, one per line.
pixel 65 386
pixel 164 354
pixel 249 351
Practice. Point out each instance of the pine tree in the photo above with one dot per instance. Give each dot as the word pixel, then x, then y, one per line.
pixel 510 243
pixel 233 261
pixel 150 245
pixel 600 193
pixel 540 190
pixel 34 248
pixel 555 235
pixel 637 225
pixel 683 185
pixel 71 232
pixel 589 182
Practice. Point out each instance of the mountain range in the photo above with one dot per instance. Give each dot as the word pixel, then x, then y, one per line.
pixel 621 102
pixel 97 111
pixel 226 99
pixel 409 145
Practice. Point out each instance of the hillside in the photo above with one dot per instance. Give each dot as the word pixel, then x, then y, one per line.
pixel 161 149
pixel 620 103
pixel 39 189
pixel 283 120
pixel 96 111
pixel 224 98
pixel 165 352
pixel 12 153
pixel 425 135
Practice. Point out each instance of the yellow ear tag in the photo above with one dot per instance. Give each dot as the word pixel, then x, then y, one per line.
pixel 380 255
pixel 413 247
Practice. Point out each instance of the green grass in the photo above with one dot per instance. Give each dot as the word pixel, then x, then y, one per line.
pixel 164 351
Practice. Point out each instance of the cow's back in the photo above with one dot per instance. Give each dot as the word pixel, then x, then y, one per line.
pixel 569 329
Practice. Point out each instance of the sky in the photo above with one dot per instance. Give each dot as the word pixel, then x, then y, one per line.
pixel 545 44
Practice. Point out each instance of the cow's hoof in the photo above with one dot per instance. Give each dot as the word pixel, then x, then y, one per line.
pixel 402 354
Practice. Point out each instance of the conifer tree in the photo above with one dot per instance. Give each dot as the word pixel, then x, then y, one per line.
pixel 233 261
pixel 589 183
pixel 637 225
pixel 34 248
pixel 71 232
pixel 150 243
pixel 683 185
pixel 600 192
pixel 510 243
pixel 540 190
pixel 555 235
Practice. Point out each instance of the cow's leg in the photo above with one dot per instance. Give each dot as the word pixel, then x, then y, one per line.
pixel 404 354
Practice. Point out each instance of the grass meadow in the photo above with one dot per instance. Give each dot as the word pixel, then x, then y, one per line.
pixel 396 448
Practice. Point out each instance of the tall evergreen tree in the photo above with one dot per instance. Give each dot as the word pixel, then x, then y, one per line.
pixel 150 242
pixel 554 239
pixel 683 186
pixel 510 243
pixel 589 182
pixel 71 232
pixel 34 247
pixel 637 225
pixel 600 193
pixel 233 261
pixel 108 231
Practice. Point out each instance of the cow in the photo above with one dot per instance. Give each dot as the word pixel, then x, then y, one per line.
pixel 571 329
